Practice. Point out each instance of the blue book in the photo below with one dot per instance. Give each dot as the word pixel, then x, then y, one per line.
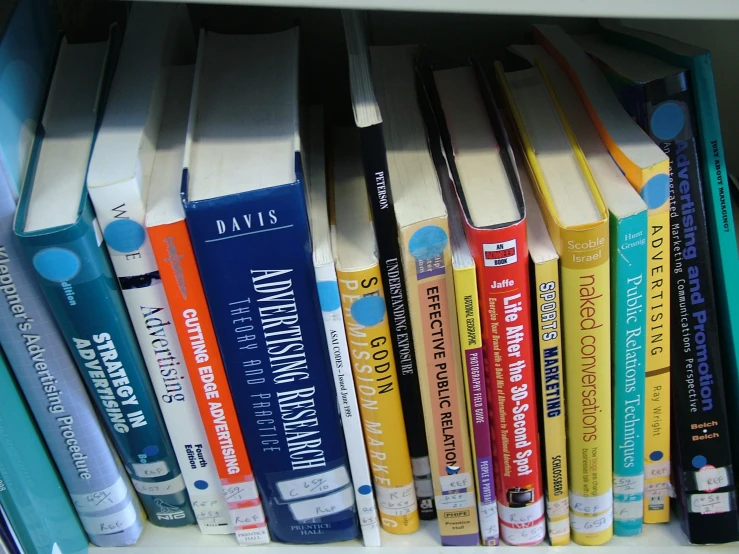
pixel 46 372
pixel 31 495
pixel 245 206
pixel 62 240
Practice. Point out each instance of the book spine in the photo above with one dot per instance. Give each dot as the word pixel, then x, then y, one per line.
pixel 65 416
pixel 376 378
pixel 91 315
pixel 121 212
pixel 706 491
pixel 31 493
pixel 502 264
pixel 470 341
pixel 264 306
pixel 377 179
pixel 546 289
pixel 429 281
pixel 181 280
pixel 7 535
pixel 628 260
pixel 333 322
pixel 586 321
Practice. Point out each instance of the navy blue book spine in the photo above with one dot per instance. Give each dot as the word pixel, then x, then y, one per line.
pixel 255 258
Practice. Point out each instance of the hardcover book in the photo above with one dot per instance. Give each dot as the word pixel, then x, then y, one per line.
pixel 243 193
pixel 487 188
pixel 60 236
pixel 368 337
pixel 423 230
pixel 171 246
pixel 576 218
pixel 628 260
pixel 31 495
pixel 368 120
pixel 118 184
pixel 336 340
pixel 647 169
pixel 647 87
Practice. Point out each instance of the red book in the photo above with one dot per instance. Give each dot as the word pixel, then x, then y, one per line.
pixel 489 195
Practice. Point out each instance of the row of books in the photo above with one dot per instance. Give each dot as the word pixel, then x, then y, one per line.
pixel 193 271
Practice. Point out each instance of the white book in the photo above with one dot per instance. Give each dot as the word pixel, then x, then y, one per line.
pixel 118 182
pixel 333 322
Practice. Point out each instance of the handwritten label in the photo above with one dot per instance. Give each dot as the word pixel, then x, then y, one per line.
pixel 247 517
pixel 519 536
pixel 109 496
pixel 252 536
pixel 709 479
pixel 455 482
pixel 590 505
pixel 396 501
pixel 152 469
pixel 367 512
pixel 558 508
pixel 240 492
pixel 656 470
pixel 664 488
pixel 624 511
pixel 489 527
pixel 161 488
pixel 313 485
pixel 526 515
pixel 628 486
pixel 711 503
pixel 111 523
pixel 593 524
pixel 455 501
pixel 324 506
pixel 559 527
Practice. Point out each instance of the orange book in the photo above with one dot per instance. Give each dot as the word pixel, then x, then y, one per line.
pixel 170 240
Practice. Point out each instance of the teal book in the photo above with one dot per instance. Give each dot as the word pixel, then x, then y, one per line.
pixel 62 240
pixel 31 494
pixel 716 191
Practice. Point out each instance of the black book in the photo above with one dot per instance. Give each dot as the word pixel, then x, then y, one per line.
pixel 374 160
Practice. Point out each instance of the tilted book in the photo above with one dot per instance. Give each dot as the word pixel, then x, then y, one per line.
pixel 118 184
pixel 546 288
pixel 658 96
pixel 60 236
pixel 368 337
pixel 333 323
pixel 171 246
pixel 714 174
pixel 647 169
pixel 423 230
pixel 576 219
pixel 368 120
pixel 245 207
pixel 36 350
pixel 487 188
pixel 628 237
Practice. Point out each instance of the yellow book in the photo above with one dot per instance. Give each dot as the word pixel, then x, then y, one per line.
pixel 647 168
pixel 577 221
pixel 545 287
pixel 368 337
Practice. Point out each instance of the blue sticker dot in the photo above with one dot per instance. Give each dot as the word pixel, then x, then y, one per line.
pixel 428 242
pixel 201 485
pixel 57 264
pixel 452 470
pixel 667 121
pixel 365 489
pixel 656 191
pixel 152 450
pixel 124 235
pixel 699 462
pixel 328 294
pixel 656 456
pixel 368 311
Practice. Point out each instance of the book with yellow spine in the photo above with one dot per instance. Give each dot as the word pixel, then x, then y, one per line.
pixel 647 168
pixel 577 221
pixel 368 337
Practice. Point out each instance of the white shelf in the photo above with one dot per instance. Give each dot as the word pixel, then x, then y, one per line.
pixel 664 9
pixel 656 539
